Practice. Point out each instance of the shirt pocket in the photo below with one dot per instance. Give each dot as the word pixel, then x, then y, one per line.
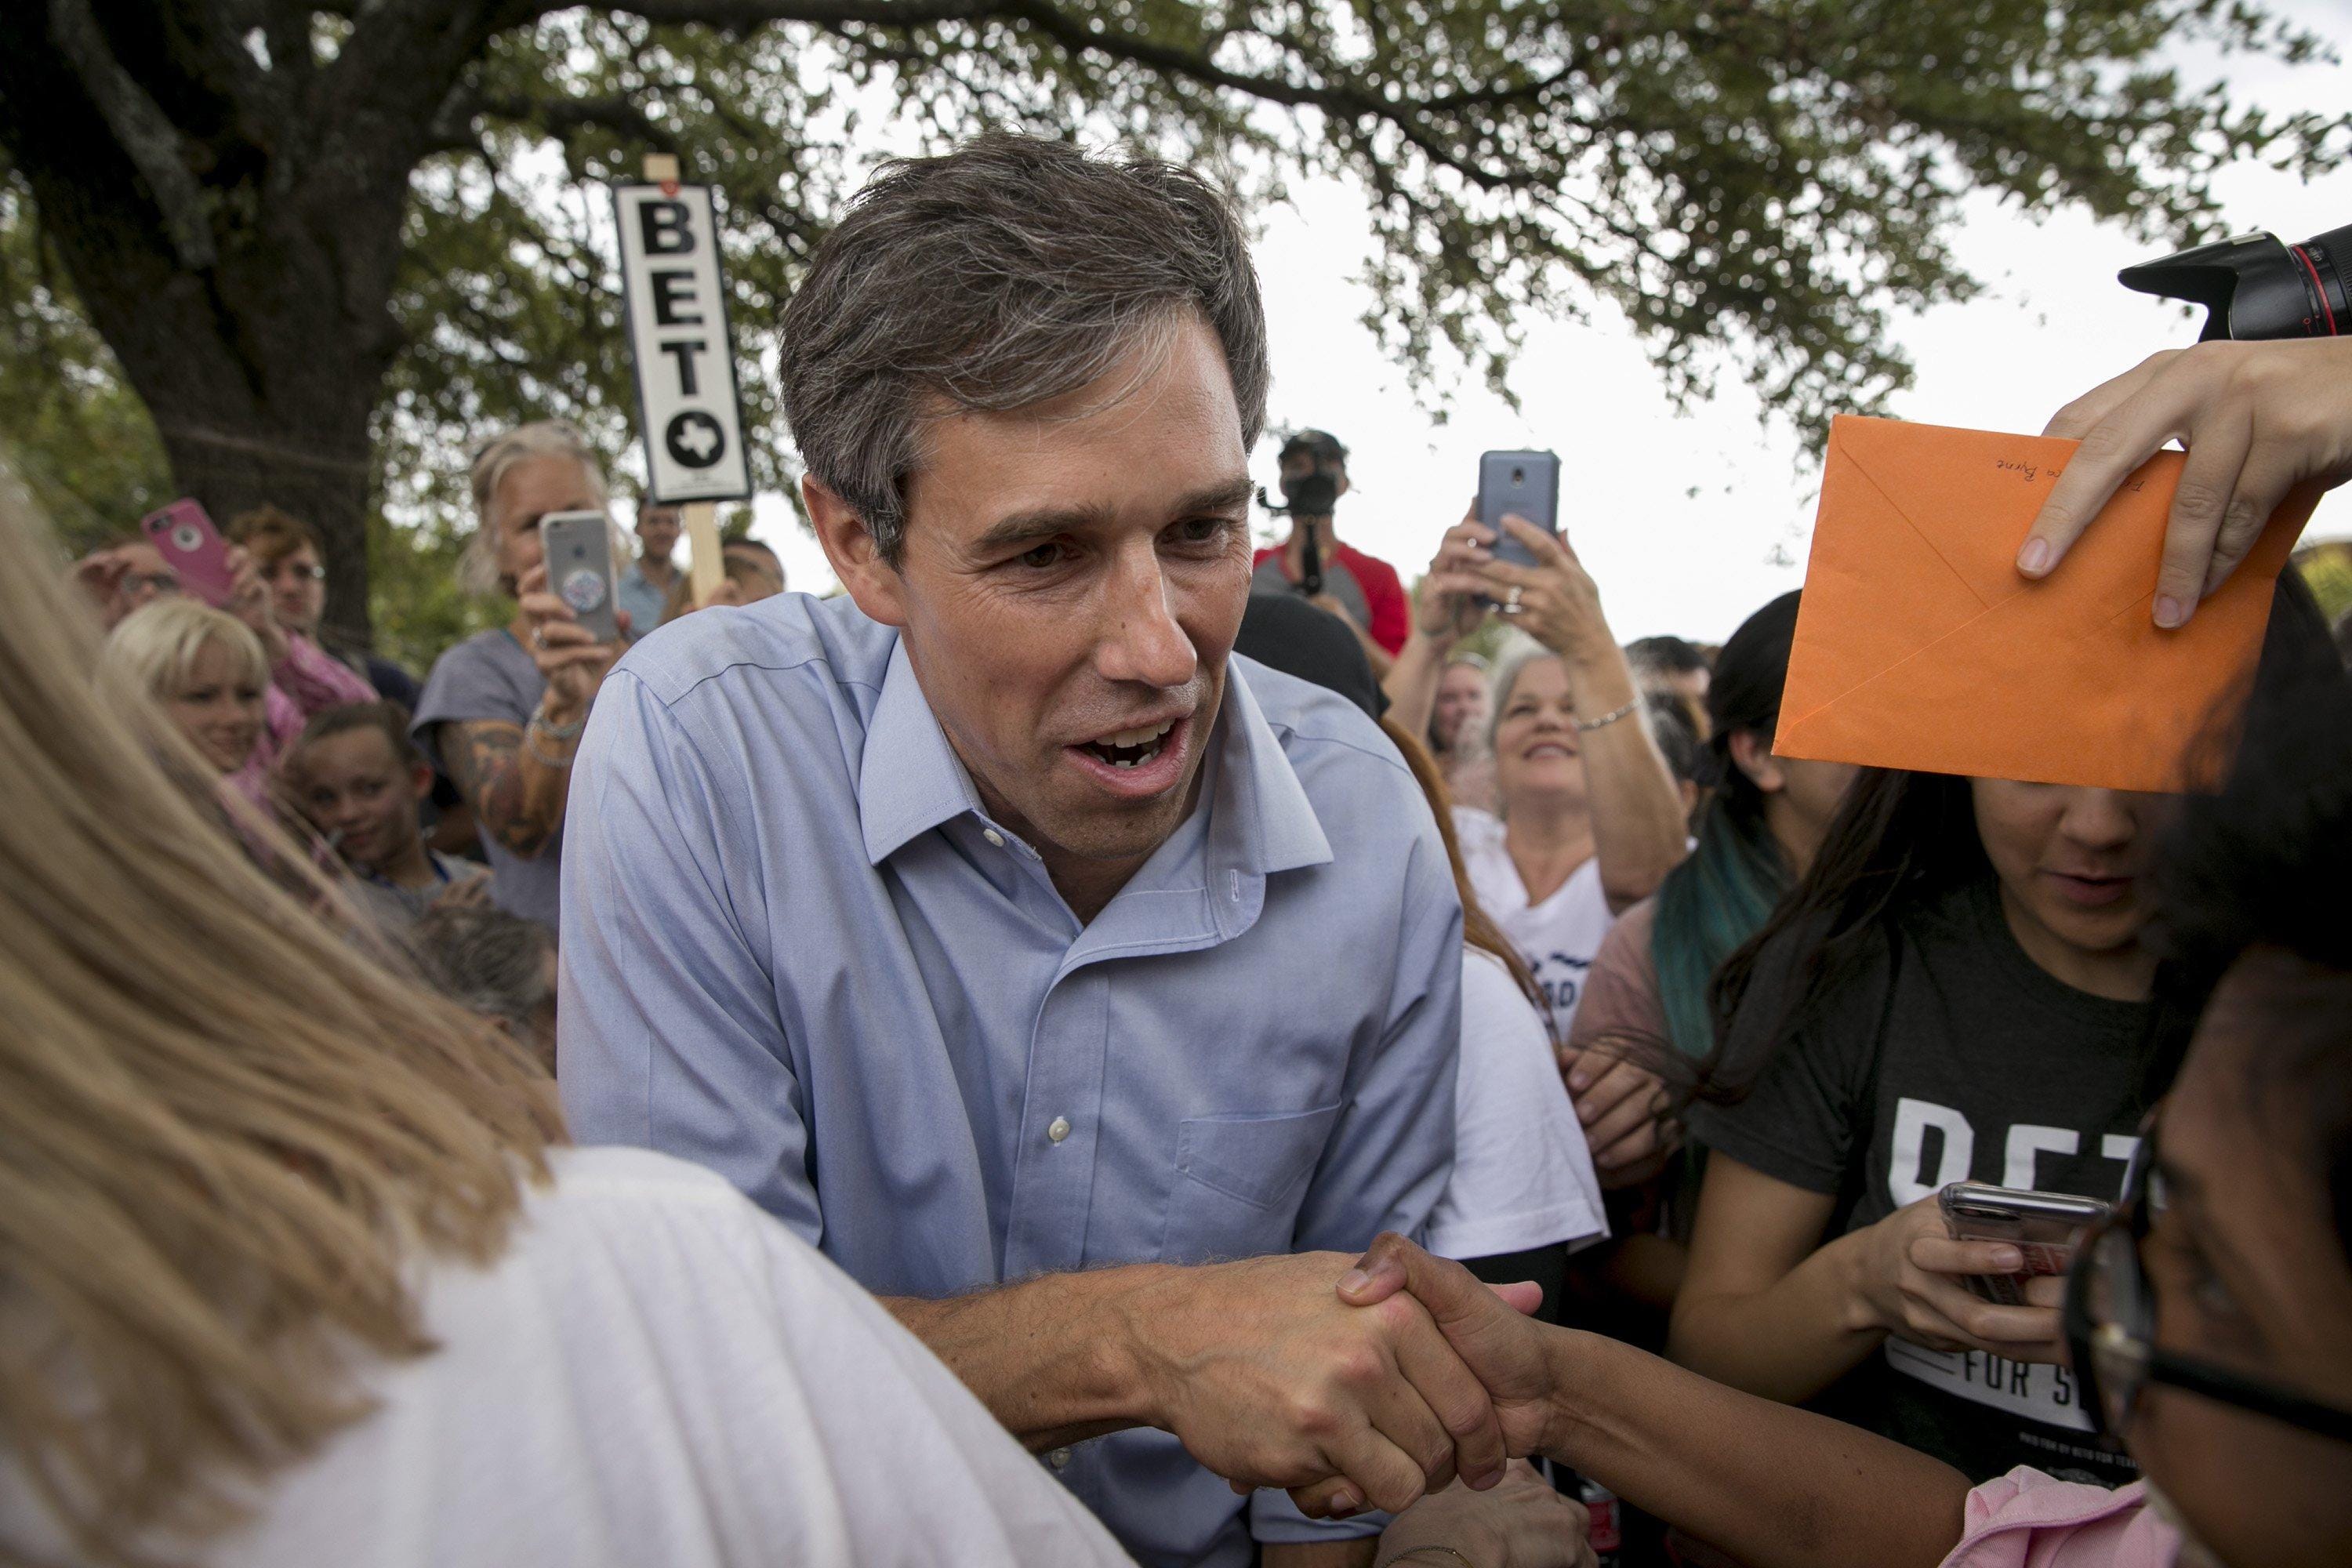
pixel 1239 1179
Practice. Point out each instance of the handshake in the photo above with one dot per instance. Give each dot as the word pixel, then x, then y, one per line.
pixel 1353 1386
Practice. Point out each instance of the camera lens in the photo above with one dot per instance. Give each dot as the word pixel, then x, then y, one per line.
pixel 2322 259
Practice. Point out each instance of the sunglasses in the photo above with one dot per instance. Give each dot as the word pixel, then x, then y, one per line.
pixel 2111 1326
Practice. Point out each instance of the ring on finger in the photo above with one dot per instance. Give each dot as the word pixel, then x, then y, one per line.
pixel 539 637
pixel 1511 601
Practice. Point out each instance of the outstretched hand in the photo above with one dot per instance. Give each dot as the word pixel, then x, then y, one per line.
pixel 1487 1327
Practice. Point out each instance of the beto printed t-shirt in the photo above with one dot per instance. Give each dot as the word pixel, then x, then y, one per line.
pixel 1974 1064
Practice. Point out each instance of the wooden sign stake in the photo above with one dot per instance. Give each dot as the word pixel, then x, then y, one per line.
pixel 701 518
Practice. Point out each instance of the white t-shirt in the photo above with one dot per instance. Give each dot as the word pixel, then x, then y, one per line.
pixel 655 1373
pixel 1522 1174
pixel 1558 937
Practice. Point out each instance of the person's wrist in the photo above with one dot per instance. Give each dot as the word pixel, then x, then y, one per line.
pixel 1131 1346
pixel 1859 1268
pixel 560 718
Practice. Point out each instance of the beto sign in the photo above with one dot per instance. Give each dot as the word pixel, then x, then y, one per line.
pixel 677 305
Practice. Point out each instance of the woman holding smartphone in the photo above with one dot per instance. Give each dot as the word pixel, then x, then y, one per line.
pixel 502 712
pixel 1587 818
pixel 2208 1320
pixel 1957 990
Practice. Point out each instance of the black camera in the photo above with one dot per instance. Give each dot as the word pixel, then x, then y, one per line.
pixel 2255 287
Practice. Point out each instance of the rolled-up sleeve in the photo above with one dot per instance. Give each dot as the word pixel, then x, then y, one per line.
pixel 667 1031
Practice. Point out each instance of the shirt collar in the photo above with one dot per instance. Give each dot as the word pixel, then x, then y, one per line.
pixel 910 781
pixel 1263 821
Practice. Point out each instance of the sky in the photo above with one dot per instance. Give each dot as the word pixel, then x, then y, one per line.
pixel 1688 520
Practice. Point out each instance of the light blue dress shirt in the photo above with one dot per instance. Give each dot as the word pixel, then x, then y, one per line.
pixel 636 594
pixel 797 950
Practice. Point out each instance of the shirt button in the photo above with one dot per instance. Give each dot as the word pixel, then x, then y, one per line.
pixel 1057 1130
pixel 1059 1458
pixel 993 837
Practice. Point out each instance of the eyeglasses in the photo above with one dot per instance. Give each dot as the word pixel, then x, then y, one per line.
pixel 2111 1327
pixel 301 572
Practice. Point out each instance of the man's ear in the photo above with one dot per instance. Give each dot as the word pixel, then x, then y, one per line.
pixel 872 583
pixel 1751 753
pixel 420 780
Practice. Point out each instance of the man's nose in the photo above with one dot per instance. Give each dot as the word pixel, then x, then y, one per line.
pixel 1140 639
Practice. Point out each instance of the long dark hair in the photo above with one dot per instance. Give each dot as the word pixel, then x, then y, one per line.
pixel 1903 838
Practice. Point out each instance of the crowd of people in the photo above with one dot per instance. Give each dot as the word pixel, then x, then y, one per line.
pixel 1101 1042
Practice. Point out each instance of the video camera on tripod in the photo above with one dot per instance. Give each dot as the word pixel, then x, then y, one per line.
pixel 1309 495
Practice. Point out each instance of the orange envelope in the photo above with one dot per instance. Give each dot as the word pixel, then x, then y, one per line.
pixel 1919 645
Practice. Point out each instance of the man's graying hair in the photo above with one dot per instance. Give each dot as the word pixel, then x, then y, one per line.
pixel 1004 275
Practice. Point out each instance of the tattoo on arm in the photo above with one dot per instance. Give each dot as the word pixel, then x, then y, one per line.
pixel 517 800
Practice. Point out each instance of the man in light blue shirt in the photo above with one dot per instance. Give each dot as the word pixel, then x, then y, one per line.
pixel 995 929
pixel 644 585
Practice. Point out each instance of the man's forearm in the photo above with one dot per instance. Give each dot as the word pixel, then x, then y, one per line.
pixel 1050 1357
pixel 1773 1486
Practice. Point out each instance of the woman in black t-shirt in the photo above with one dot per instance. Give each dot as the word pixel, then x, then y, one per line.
pixel 1957 991
pixel 1991 1022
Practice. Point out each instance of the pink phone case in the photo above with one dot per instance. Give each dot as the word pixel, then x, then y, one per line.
pixel 195 548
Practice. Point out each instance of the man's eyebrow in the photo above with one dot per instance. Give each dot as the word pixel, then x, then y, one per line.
pixel 1028 527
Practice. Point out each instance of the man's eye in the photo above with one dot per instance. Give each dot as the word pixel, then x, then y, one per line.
pixel 1038 557
pixel 1201 531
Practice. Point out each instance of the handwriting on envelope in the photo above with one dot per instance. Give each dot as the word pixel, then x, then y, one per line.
pixel 1919 645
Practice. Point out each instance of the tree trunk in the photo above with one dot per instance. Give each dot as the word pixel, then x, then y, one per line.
pixel 234 229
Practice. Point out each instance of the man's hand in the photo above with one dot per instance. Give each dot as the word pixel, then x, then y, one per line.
pixel 2258 420
pixel 1271 1380
pixel 1522 1523
pixel 1483 1326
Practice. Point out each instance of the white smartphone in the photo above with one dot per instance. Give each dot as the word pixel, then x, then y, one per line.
pixel 578 548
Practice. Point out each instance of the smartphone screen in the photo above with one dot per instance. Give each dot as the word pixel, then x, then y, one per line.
pixel 192 546
pixel 1518 484
pixel 578 547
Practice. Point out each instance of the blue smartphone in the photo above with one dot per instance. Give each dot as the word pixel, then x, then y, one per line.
pixel 1521 484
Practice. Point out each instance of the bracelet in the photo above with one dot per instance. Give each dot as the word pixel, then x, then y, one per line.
pixel 565 732
pixel 1583 728
pixel 1409 1552
pixel 531 745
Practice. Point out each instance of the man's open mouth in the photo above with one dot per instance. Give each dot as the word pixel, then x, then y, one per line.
pixel 1130 748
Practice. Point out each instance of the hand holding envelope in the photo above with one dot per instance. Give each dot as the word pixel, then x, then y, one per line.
pixel 1919 645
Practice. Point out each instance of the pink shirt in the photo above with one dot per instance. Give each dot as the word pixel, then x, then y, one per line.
pixel 2027 1519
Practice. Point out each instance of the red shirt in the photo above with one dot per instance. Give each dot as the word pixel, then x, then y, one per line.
pixel 1383 590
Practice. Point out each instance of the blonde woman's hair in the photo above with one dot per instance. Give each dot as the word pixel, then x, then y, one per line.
pixel 155 647
pixel 224 1128
pixel 494 459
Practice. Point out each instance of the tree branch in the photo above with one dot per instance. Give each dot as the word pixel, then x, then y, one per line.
pixel 149 139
